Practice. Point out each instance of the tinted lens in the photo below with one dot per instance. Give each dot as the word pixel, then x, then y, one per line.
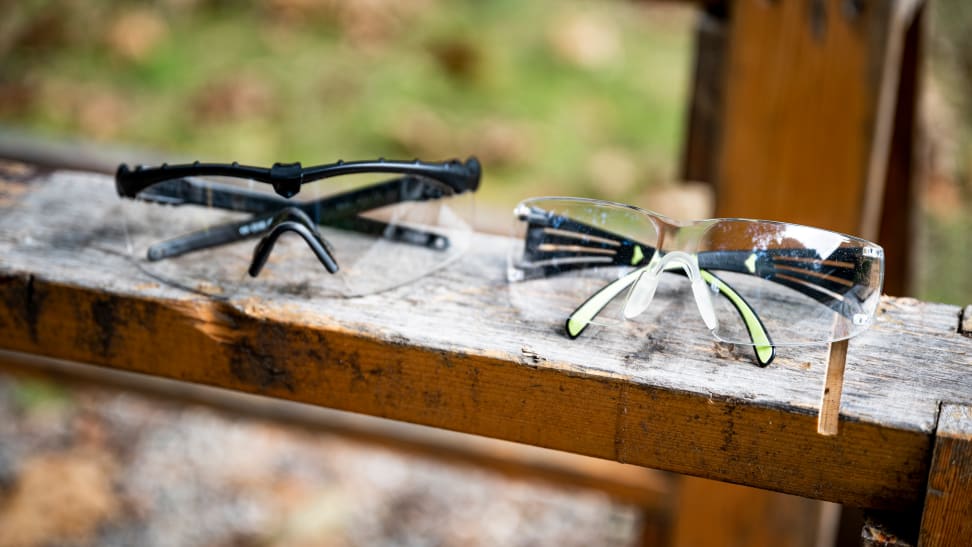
pixel 382 232
pixel 566 250
pixel 804 284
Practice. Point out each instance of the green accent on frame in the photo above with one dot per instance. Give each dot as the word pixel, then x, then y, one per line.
pixel 586 313
pixel 761 341
pixel 751 263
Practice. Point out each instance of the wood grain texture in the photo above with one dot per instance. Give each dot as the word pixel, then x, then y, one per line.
pixel 799 114
pixel 811 95
pixel 947 517
pixel 454 351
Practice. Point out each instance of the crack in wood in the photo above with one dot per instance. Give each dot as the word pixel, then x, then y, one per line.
pixel 578 394
pixel 729 431
pixel 104 314
pixel 32 300
pixel 253 366
pixel 621 425
pixel 965 321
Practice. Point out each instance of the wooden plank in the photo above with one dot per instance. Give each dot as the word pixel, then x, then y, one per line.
pixel 417 354
pixel 648 489
pixel 947 516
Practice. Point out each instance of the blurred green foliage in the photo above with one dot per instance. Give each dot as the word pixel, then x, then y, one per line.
pixel 31 395
pixel 555 96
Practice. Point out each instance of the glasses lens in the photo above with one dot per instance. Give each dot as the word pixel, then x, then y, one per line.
pixel 804 284
pixel 756 282
pixel 567 250
pixel 426 228
pixel 201 233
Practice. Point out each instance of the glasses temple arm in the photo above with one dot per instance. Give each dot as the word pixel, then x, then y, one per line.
pixel 625 252
pixel 337 211
pixel 763 346
pixel 825 286
pixel 762 343
pixel 208 238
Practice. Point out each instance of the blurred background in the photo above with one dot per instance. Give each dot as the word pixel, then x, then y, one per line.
pixel 558 97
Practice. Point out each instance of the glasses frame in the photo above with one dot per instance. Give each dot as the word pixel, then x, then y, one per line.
pixel 556 244
pixel 177 185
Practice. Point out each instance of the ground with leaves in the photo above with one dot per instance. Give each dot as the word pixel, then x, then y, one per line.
pixel 96 467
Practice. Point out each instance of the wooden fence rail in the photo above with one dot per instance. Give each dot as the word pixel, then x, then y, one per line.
pixel 453 351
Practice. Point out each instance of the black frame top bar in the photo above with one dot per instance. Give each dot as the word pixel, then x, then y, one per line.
pixel 287 178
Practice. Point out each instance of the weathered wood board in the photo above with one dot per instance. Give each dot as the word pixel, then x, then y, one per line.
pixel 947 516
pixel 453 351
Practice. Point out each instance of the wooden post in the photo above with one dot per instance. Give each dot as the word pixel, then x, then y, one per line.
pixel 947 518
pixel 716 513
pixel 815 97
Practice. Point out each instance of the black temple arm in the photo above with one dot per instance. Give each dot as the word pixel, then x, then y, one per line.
pixel 828 280
pixel 338 211
pixel 555 244
pixel 208 238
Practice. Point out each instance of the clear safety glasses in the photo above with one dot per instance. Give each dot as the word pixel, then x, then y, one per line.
pixel 356 228
pixel 754 282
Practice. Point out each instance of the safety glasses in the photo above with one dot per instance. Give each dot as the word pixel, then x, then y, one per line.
pixel 754 282
pixel 366 226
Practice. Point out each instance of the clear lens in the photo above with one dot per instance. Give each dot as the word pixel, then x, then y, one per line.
pixel 750 282
pixel 566 250
pixel 375 250
pixel 804 284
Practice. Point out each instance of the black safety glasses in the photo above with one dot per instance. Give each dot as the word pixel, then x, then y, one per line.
pixel 370 234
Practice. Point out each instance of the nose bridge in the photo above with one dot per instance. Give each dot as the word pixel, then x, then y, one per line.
pixel 673 259
pixel 643 291
pixel 682 237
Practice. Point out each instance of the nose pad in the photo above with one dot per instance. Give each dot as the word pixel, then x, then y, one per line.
pixel 641 294
pixel 703 301
pixel 643 291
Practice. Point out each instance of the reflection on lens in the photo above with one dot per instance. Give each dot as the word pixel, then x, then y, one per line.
pixel 805 284
pixel 756 283
pixel 566 250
